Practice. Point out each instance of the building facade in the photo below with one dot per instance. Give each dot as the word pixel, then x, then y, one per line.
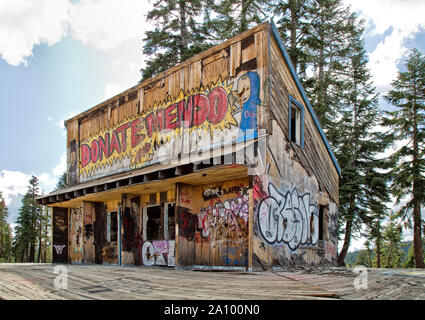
pixel 217 163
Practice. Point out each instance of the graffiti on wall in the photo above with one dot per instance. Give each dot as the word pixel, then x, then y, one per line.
pixel 224 217
pixel 216 111
pixel 288 218
pixel 77 230
pixel 158 253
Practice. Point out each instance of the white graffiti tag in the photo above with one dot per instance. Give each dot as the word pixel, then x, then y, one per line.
pixel 289 218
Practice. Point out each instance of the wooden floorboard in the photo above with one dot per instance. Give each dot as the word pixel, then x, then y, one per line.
pixel 98 282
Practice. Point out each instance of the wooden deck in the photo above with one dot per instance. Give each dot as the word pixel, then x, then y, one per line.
pixel 36 282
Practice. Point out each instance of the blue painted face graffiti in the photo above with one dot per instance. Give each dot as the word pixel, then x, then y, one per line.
pixel 248 92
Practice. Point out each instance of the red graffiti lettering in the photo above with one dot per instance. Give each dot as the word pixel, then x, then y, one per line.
pixel 135 129
pixel 123 130
pixel 171 122
pixel 218 105
pixel 104 147
pixel 115 143
pixel 85 155
pixel 94 151
pixel 201 109
pixel 185 112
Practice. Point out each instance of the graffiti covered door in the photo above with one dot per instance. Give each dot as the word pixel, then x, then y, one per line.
pixel 213 224
pixel 76 237
pixel 158 233
pixel 60 235
pixel 131 244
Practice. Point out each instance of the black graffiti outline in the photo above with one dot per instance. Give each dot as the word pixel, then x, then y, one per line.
pixel 280 210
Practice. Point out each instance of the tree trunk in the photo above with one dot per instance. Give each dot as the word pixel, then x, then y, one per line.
pixel 378 253
pixel 346 245
pixel 417 235
pixel 294 21
pixel 417 232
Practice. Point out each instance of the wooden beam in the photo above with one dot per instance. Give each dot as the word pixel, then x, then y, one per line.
pixel 123 182
pixel 99 188
pixel 78 193
pixel 165 174
pixel 151 176
pixel 201 165
pixel 88 190
pixel 184 169
pixel 136 179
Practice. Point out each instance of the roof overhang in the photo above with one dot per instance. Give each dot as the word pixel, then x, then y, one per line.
pixel 213 166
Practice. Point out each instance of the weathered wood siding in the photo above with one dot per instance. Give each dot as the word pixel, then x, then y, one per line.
pixel 314 156
pixel 213 226
pixel 210 100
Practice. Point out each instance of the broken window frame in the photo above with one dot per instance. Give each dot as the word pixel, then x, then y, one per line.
pixel 299 138
pixel 165 232
pixel 109 226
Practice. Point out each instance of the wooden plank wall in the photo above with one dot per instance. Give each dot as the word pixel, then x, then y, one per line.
pixel 314 156
pixel 213 224
pixel 76 235
pixel 89 220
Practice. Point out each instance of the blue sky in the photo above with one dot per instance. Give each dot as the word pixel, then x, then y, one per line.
pixel 59 58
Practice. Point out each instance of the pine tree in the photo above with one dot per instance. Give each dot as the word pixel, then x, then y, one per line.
pixel 363 259
pixel 236 16
pixel 5 233
pixel 363 190
pixel 177 35
pixel 391 250
pixel 294 26
pixel 406 125
pixel 332 28
pixel 61 182
pixel 26 234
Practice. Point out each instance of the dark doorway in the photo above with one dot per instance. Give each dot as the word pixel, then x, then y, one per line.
pixel 171 221
pixel 60 235
pixel 153 225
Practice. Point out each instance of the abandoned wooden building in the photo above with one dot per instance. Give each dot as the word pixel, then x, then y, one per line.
pixel 219 162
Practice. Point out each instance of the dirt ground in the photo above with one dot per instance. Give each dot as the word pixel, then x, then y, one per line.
pixel 74 282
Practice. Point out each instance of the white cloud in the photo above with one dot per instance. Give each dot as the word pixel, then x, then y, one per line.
pixel 61 167
pixel 112 89
pixel 104 24
pixel 24 24
pixel 47 180
pixel 13 183
pixel 107 24
pixel 404 18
